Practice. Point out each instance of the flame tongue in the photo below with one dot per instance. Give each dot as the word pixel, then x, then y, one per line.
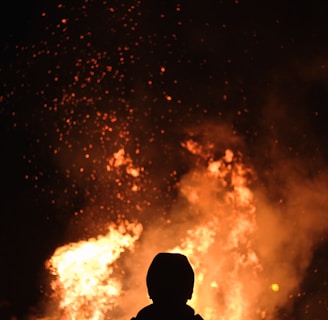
pixel 220 247
pixel 85 282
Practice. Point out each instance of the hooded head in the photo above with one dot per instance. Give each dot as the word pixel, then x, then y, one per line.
pixel 170 278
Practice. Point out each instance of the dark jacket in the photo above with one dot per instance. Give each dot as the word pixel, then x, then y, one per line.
pixel 157 312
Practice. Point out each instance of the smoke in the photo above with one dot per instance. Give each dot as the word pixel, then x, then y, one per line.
pixel 290 192
pixel 290 230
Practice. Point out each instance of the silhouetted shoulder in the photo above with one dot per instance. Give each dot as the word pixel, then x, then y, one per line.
pixel 198 317
pixel 152 312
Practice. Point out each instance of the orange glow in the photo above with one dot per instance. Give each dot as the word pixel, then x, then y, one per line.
pixel 220 249
pixel 217 236
pixel 86 282
pixel 120 159
pixel 275 287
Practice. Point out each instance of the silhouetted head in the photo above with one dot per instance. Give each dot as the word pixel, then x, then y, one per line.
pixel 170 279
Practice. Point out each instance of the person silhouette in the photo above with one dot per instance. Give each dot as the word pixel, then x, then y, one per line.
pixel 170 284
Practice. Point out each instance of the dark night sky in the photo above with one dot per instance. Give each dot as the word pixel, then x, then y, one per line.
pixel 255 53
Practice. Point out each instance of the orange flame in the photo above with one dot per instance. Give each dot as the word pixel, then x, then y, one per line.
pixel 85 282
pixel 224 291
pixel 218 241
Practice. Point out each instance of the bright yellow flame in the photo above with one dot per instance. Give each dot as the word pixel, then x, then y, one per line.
pixel 85 280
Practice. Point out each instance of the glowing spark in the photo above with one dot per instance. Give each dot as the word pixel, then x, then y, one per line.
pixel 275 287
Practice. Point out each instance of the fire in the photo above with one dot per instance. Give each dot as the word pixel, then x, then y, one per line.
pixel 226 237
pixel 121 159
pixel 217 238
pixel 85 278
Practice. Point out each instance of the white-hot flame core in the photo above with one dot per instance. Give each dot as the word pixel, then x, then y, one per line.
pixel 85 279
